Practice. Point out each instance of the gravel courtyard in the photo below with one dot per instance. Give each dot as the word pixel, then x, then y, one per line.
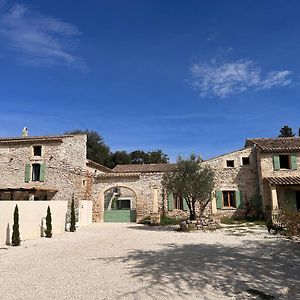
pixel 129 261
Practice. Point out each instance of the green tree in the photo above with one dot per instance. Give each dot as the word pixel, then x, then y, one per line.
pixel 120 158
pixel 157 156
pixel 139 157
pixel 48 230
pixel 16 241
pixel 286 131
pixel 192 181
pixel 97 150
pixel 73 218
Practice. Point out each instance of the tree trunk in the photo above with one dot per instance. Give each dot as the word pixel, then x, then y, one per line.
pixel 192 211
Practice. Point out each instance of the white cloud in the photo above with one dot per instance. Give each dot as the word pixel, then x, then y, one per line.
pixel 39 40
pixel 226 79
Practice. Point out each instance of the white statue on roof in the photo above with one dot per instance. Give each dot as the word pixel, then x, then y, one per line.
pixel 25 132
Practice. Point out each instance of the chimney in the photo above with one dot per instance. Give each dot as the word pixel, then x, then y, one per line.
pixel 25 132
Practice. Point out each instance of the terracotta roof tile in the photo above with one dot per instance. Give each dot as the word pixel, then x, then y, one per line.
pixel 289 144
pixel 33 139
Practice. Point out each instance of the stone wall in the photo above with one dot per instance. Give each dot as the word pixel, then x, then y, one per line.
pixel 243 178
pixel 65 161
pixel 266 169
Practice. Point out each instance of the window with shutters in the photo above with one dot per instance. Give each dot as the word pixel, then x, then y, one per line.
pixel 36 171
pixel 229 199
pixel 285 162
pixel 176 202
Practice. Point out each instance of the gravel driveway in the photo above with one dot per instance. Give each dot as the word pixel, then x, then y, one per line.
pixel 129 261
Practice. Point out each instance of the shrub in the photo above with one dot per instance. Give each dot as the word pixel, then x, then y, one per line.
pixel 291 221
pixel 48 230
pixel 73 220
pixel 169 221
pixel 16 241
pixel 228 221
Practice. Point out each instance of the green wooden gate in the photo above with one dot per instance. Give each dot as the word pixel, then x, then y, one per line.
pixel 120 215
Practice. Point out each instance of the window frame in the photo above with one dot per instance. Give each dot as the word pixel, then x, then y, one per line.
pixel 35 177
pixel 33 150
pixel 229 202
pixel 230 160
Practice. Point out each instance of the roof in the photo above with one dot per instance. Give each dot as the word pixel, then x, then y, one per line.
pixel 33 139
pixel 291 180
pixel 99 167
pixel 117 175
pixel 144 168
pixel 288 144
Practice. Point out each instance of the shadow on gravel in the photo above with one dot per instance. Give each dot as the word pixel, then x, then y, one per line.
pixel 154 228
pixel 255 270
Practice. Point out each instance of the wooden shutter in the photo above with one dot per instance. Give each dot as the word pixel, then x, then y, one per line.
pixel 184 204
pixel 42 172
pixel 238 199
pixel 276 162
pixel 219 198
pixel 170 201
pixel 294 161
pixel 27 172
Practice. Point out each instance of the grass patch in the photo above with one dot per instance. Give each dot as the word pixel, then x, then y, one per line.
pixel 250 223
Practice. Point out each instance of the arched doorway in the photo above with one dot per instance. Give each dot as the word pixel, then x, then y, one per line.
pixel 120 204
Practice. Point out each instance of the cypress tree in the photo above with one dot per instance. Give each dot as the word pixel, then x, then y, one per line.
pixel 48 230
pixel 15 240
pixel 73 221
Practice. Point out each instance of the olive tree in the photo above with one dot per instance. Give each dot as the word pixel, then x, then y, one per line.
pixel 191 180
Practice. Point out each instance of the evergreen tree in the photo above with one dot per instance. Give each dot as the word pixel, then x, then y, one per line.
pixel 73 220
pixel 48 230
pixel 286 131
pixel 16 241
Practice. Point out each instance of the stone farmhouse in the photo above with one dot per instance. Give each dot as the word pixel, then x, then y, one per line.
pixel 49 169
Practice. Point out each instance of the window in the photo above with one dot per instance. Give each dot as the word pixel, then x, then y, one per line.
pixel 36 171
pixel 176 202
pixel 245 161
pixel 37 150
pixel 284 161
pixel 229 199
pixel 83 182
pixel 230 163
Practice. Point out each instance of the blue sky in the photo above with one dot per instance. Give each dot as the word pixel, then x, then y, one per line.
pixel 181 76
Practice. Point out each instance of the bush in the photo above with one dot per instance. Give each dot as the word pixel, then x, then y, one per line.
pixel 15 240
pixel 291 221
pixel 228 221
pixel 48 230
pixel 169 221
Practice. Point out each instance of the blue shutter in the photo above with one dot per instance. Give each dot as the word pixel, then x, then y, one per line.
pixel 42 172
pixel 238 199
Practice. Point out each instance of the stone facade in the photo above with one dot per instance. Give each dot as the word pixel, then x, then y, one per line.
pixel 233 174
pixel 62 161
pixel 242 177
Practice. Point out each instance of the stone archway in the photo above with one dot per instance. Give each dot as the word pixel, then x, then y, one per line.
pixel 101 206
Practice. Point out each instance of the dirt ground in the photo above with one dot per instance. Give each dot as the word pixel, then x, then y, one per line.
pixel 129 261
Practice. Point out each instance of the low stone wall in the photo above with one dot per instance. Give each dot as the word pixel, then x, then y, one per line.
pixel 31 214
